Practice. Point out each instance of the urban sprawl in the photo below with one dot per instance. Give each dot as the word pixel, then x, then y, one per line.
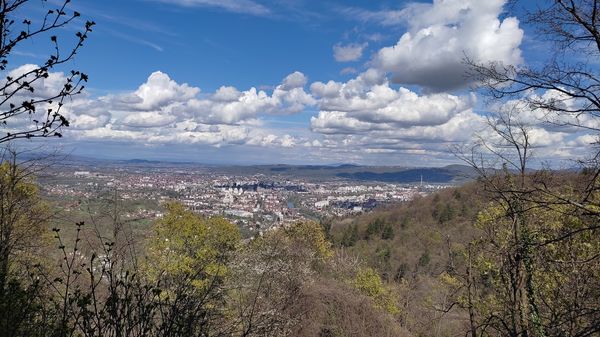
pixel 256 202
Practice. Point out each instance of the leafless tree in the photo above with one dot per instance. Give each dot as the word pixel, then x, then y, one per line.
pixel 570 73
pixel 541 210
pixel 24 111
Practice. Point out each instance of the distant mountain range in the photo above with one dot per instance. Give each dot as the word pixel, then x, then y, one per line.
pixel 452 174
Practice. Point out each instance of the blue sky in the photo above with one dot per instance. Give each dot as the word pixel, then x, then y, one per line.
pixel 210 46
pixel 288 81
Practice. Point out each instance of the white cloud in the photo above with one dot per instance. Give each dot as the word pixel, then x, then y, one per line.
pixel 88 122
pixel 585 140
pixel 230 106
pixel 329 89
pixel 43 87
pixel 348 71
pixel 159 90
pixel 226 94
pixel 236 6
pixel 368 115
pixel 348 53
pixel 161 101
pixel 440 35
pixel 338 122
pixel 370 99
pixel 294 80
pixel 531 115
pixel 384 17
pixel 91 116
pixel 163 111
pixel 365 117
pixel 148 119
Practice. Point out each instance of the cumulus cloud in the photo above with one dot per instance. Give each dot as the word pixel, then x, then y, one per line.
pixel 43 87
pixel 348 71
pixel 294 80
pixel 439 37
pixel 585 140
pixel 161 101
pixel 348 53
pixel 148 119
pixel 569 120
pixel 329 89
pixel 368 115
pixel 158 90
pixel 230 106
pixel 162 111
pixel 369 98
pixel 88 122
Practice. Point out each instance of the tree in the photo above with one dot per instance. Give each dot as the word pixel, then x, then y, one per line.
pixel 567 86
pixel 350 236
pixel 180 291
pixel 25 110
pixel 23 227
pixel 374 227
pixel 23 215
pixel 525 272
pixel 368 282
pixel 388 232
pixel 532 284
pixel 189 256
pixel 270 277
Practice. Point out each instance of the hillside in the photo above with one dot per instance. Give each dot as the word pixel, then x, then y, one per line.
pixel 411 245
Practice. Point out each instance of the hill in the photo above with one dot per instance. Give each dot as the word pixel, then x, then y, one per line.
pixel 411 245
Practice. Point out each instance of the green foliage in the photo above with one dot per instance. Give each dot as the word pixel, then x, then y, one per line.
pixel 350 236
pixel 424 259
pixel 24 309
pixel 384 254
pixel 374 228
pixel 387 232
pixel 23 214
pixel 310 235
pixel 326 225
pixel 23 231
pixel 535 253
pixel 186 245
pixel 269 275
pixel 379 227
pixel 404 222
pixel 200 278
pixel 444 212
pixel 369 283
pixel 416 254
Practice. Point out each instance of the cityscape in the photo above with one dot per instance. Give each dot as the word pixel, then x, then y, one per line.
pixel 255 201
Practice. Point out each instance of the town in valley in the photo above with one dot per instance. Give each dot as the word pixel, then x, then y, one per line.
pixel 256 198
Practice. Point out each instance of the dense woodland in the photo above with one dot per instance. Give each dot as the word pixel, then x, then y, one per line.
pixel 515 253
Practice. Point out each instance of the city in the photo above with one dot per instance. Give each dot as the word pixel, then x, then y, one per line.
pixel 255 201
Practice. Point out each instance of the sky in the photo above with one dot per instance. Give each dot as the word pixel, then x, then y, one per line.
pixel 289 81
